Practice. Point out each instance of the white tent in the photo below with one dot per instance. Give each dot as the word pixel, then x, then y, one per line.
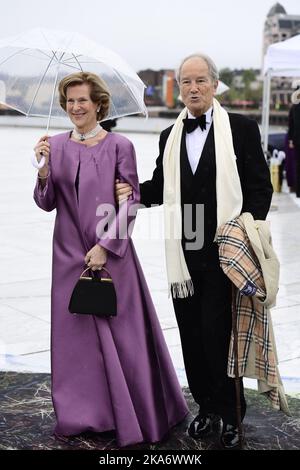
pixel 281 60
pixel 222 87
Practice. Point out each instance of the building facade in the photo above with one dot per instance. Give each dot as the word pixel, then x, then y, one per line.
pixel 279 26
pixel 161 87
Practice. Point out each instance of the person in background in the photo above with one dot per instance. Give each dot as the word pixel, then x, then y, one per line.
pixel 294 141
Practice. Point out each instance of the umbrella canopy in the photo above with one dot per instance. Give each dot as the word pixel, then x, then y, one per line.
pixel 33 63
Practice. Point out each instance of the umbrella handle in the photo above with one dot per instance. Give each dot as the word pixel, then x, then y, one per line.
pixel 37 164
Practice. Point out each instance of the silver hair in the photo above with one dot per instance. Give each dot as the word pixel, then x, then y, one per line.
pixel 212 68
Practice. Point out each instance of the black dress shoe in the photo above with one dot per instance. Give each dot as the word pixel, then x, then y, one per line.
pixel 204 425
pixel 230 437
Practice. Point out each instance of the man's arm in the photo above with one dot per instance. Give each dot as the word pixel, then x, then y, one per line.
pixel 256 184
pixel 152 190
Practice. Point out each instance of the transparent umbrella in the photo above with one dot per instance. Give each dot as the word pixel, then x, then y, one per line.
pixel 33 63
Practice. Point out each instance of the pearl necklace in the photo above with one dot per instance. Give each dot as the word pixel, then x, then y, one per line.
pixel 87 135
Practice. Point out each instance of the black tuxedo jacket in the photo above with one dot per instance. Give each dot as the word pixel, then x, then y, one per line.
pixel 200 188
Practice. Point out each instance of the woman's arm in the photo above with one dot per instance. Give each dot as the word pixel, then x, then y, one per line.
pixel 44 193
pixel 116 238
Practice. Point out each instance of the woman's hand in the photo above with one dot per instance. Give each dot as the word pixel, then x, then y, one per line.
pixel 122 191
pixel 42 149
pixel 96 257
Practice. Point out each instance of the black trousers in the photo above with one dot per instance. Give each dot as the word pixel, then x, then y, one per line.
pixel 204 322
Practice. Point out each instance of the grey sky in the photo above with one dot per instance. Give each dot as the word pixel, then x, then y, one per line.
pixel 155 33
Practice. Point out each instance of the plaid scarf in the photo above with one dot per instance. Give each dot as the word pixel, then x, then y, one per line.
pixel 256 344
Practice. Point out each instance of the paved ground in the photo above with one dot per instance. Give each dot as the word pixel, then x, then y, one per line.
pixel 27 420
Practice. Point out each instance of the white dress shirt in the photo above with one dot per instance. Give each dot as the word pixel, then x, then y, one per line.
pixel 195 141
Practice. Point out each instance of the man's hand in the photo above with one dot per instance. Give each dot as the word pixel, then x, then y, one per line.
pixel 122 191
pixel 96 257
pixel 291 145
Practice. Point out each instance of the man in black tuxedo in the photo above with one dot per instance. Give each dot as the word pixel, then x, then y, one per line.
pixel 204 319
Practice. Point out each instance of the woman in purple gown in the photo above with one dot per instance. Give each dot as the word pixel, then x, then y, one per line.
pixel 107 373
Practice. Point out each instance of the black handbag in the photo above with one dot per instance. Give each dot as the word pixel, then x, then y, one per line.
pixel 94 296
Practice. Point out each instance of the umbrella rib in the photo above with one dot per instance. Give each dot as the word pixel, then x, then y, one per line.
pixel 89 62
pixel 53 91
pixel 67 64
pixel 126 85
pixel 40 82
pixel 71 66
pixel 12 55
pixel 50 46
pixel 47 55
pixel 71 58
pixel 47 41
pixel 77 62
pixel 54 55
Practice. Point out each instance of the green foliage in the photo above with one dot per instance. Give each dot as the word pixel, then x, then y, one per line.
pixel 226 76
pixel 246 93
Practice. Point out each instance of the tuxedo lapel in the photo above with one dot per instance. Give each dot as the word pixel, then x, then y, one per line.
pixel 208 153
pixel 186 174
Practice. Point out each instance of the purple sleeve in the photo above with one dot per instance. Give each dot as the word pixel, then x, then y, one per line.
pixel 45 197
pixel 116 238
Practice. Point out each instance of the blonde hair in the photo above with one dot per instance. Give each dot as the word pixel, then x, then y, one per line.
pixel 99 92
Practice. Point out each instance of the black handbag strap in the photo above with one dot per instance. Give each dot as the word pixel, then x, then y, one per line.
pixel 88 269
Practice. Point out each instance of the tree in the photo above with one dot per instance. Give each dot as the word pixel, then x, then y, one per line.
pixel 226 76
pixel 249 76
